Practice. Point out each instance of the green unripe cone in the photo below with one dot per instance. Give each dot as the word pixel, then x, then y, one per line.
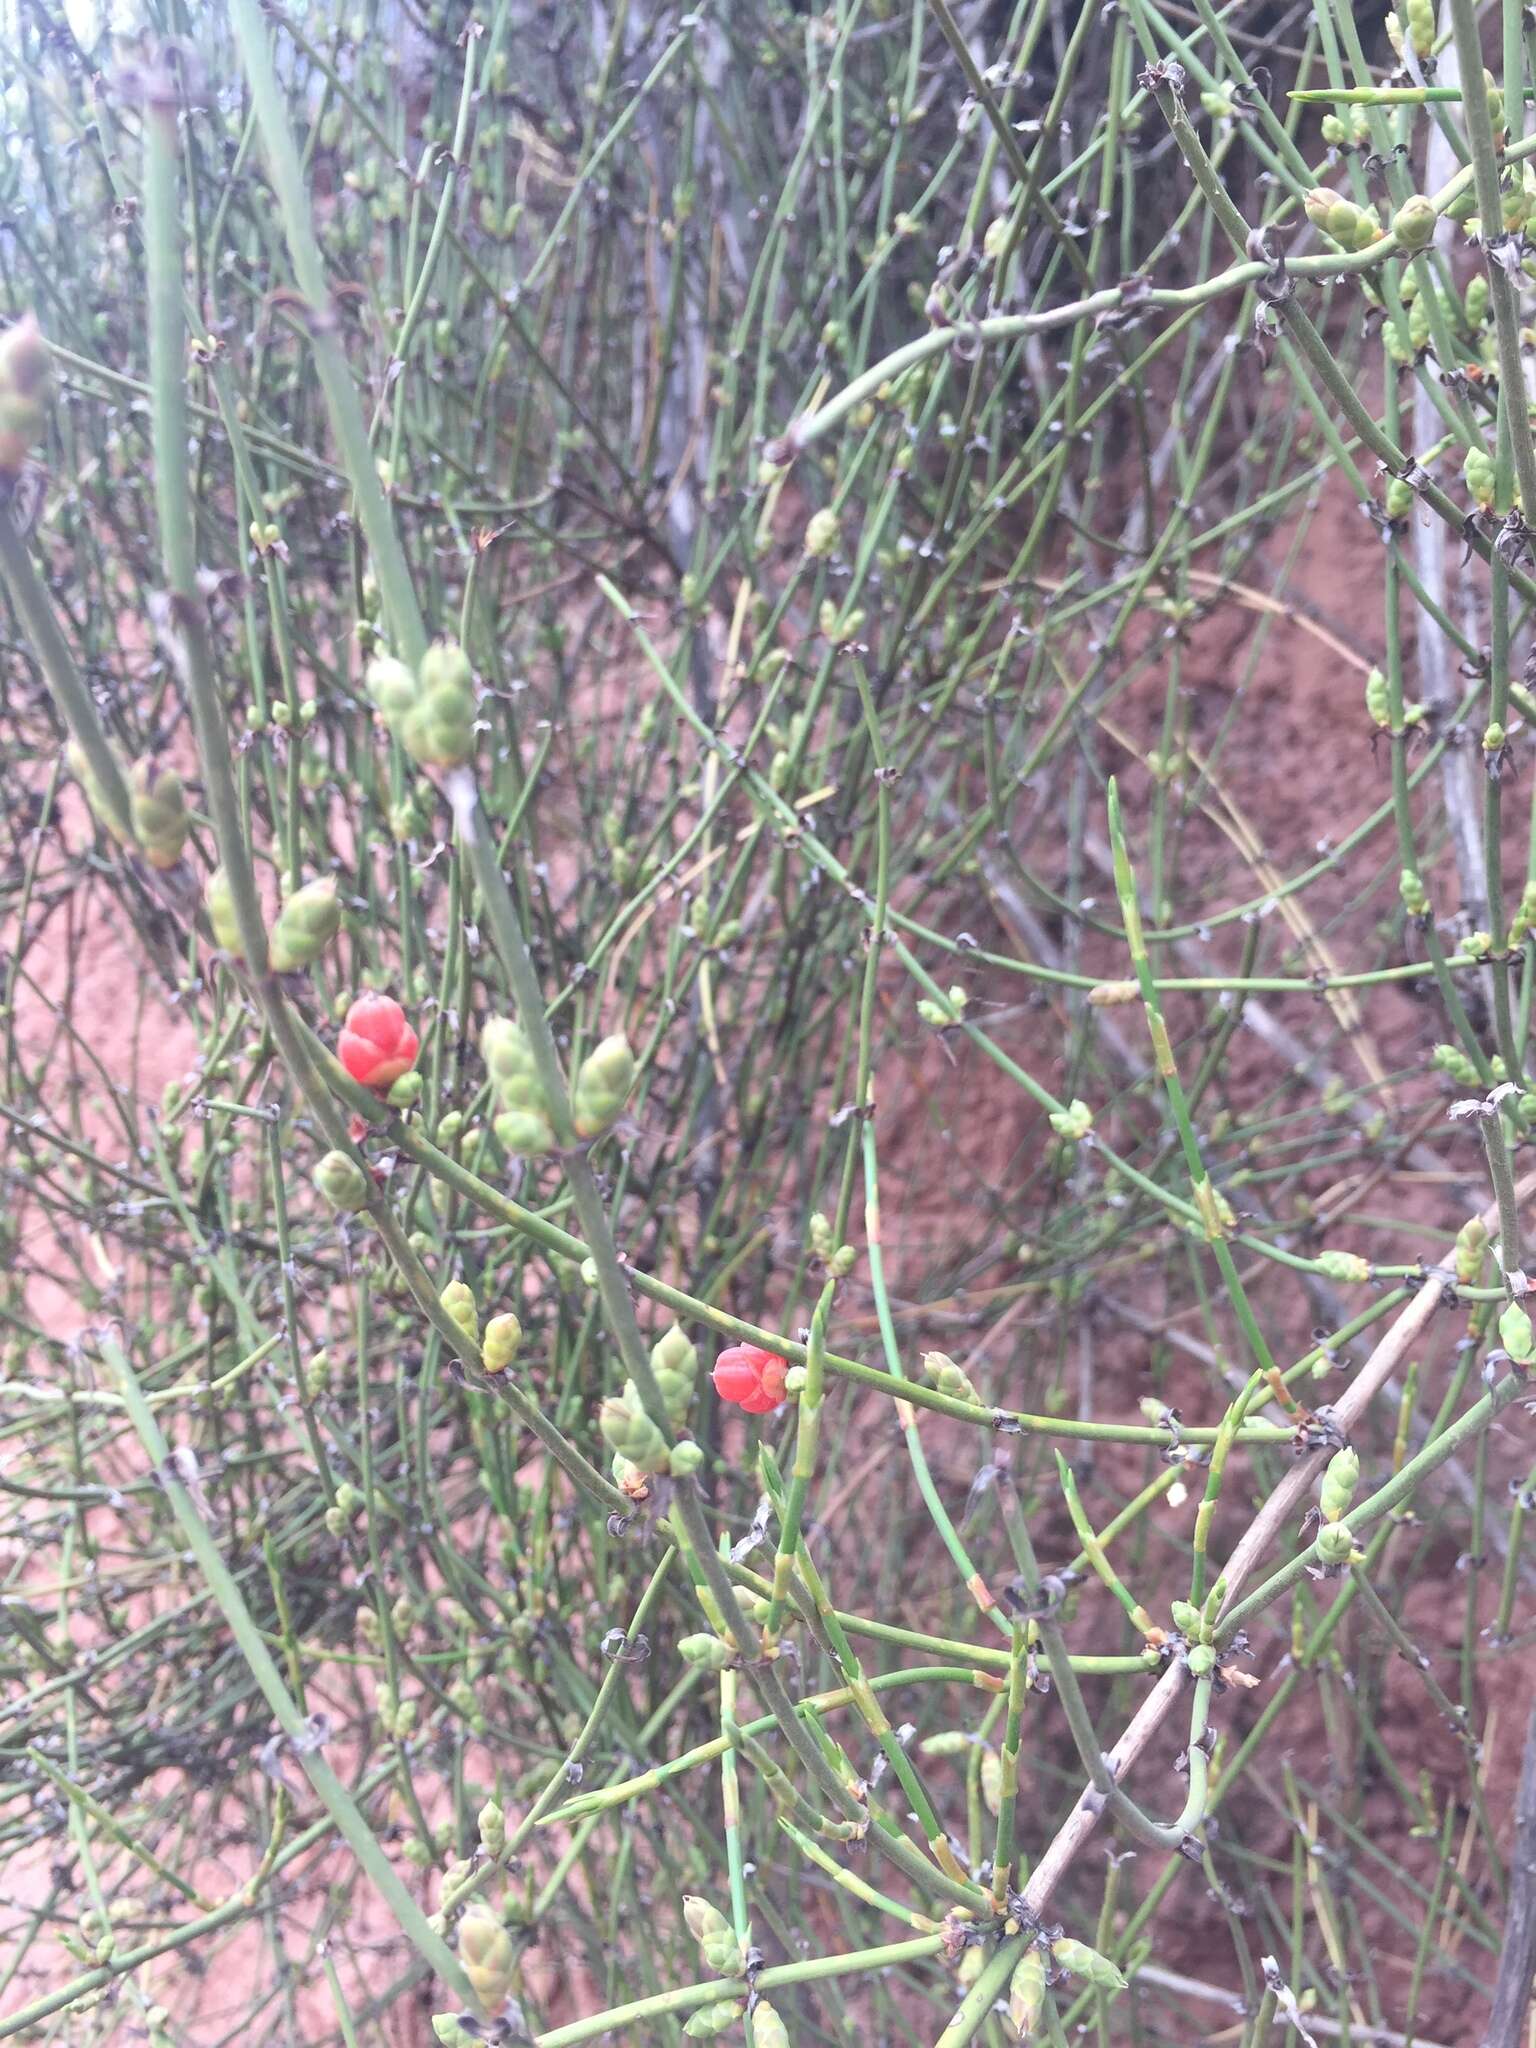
pixel 1336 1544
pixel 306 925
pixel 524 1132
pixel 438 730
pixel 603 1082
pixel 161 820
pixel 1515 1334
pixel 628 1430
pixel 705 1652
pixel 1339 1483
pixel 1085 1962
pixel 488 1955
pixel 503 1336
pixel 219 902
pixel 492 1825
pixel 23 392
pixel 675 1363
pixel 948 1377
pixel 392 689
pixel 458 1303
pixel 1026 1993
pixel 768 2030
pixel 1414 223
pixel 343 1183
pixel 718 2018
pixel 121 828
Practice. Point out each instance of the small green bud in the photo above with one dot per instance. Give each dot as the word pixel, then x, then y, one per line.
pixel 343 1183
pixel 685 1459
pixel 392 689
pixel 1026 1993
pixel 603 1082
pixel 706 1652
pixel 503 1335
pixel 821 532
pixel 1471 1250
pixel 306 925
pixel 1414 223
pixel 1074 1122
pixel 949 1742
pixel 991 1775
pixel 942 1371
pixel 488 1956
pixel 1336 1545
pixel 1186 1619
pixel 524 1132
pixel 1339 1483
pixel 1377 697
pixel 1515 1334
pixel 458 1303
pixel 768 2030
pixel 1085 1962
pixel 1415 896
pixel 492 1824
pixel 1346 1267
pixel 711 2020
pixel 219 902
pixel 404 1091
pixel 627 1429
pixel 161 820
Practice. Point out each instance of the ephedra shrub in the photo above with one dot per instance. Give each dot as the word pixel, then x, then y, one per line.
pixel 765 1005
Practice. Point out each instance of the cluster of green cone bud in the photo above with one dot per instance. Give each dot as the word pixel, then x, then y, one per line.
pixel 1348 129
pixel 1413 29
pixel 839 1259
pixel 23 392
pixel 675 1363
pixel 522 1124
pixel 1351 226
pixel 1479 474
pixel 219 902
pixel 603 1082
pixel 630 1433
pixel 161 820
pixel 158 821
pixel 96 795
pixel 488 1955
pixel 430 712
pixel 1026 1993
pixel 1524 919
pixel 1515 1333
pixel 306 925
pixel 1378 698
pixel 503 1337
pixel 1336 1545
pixel 1074 1122
pixel 718 2018
pixel 457 1301
pixel 1347 1267
pixel 768 2030
pixel 1340 1479
pixel 1079 1960
pixel 491 1824
pixel 942 1372
pixel 715 1935
pixel 343 1183
pixel 1471 1250
pixel 1414 223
